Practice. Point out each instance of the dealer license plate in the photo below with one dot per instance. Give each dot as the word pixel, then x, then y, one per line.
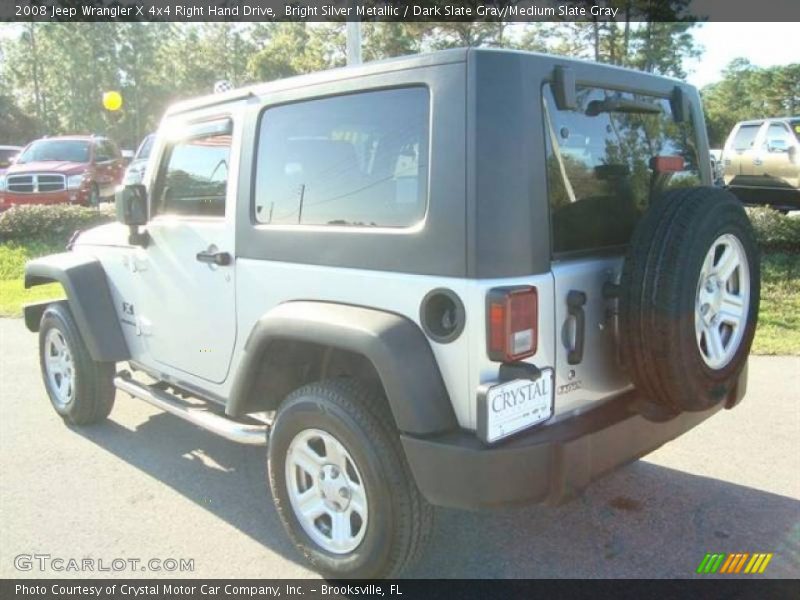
pixel 507 408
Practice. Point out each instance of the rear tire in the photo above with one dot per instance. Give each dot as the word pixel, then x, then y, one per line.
pixel 689 299
pixel 81 389
pixel 360 484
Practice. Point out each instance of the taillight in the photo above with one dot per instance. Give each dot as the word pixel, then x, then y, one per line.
pixel 512 323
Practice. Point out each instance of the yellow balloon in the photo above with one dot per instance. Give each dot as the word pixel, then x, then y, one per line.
pixel 112 101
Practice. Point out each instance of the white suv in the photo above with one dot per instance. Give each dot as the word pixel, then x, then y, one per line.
pixel 467 279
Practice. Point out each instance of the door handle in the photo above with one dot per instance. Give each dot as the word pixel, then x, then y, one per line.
pixel 575 303
pixel 222 259
pixel 758 161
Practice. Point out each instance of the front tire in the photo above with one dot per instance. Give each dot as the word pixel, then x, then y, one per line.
pixel 341 484
pixel 81 390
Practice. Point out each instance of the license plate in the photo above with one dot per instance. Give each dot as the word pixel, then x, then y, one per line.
pixel 507 408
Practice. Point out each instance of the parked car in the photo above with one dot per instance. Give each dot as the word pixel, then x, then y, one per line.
pixel 136 168
pixel 761 162
pixel 69 169
pixel 459 279
pixel 8 155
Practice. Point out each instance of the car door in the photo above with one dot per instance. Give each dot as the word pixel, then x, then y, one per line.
pixel 739 153
pixel 779 170
pixel 104 162
pixel 186 304
pixel 117 168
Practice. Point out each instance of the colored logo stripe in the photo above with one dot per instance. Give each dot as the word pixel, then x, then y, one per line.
pixel 734 563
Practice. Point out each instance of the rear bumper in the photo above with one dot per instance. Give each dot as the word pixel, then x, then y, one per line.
pixel 781 198
pixel 552 463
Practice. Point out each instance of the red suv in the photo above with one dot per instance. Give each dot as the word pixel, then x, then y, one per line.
pixel 58 170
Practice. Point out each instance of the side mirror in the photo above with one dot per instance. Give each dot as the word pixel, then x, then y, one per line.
pixel 131 205
pixel 777 146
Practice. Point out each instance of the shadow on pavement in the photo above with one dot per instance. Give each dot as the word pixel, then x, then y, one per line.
pixel 642 521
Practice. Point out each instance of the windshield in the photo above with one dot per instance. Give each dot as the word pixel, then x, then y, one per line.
pixel 145 148
pixel 795 125
pixel 56 150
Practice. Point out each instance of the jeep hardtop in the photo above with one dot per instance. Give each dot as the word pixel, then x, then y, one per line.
pixel 470 278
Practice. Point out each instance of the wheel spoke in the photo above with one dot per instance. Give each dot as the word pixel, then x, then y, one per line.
pixel 358 501
pixel 727 263
pixel 714 342
pixel 53 364
pixel 341 531
pixel 732 309
pixel 335 453
pixel 309 503
pixel 699 326
pixel 308 460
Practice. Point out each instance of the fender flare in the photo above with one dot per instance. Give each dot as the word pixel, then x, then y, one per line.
pixel 89 298
pixel 395 345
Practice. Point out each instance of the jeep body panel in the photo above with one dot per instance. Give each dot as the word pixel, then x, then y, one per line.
pixel 84 281
pixel 414 388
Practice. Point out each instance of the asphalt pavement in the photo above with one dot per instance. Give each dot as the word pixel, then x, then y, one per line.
pixel 146 485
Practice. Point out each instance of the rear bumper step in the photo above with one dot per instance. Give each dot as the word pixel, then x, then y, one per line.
pixel 242 433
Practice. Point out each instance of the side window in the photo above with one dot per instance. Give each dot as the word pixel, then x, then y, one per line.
pixel 778 131
pixel 356 160
pixel 102 151
pixel 193 176
pixel 600 165
pixel 745 136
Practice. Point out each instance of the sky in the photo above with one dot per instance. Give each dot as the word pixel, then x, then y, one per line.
pixel 763 44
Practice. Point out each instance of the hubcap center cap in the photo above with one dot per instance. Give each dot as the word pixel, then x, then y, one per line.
pixel 711 298
pixel 334 488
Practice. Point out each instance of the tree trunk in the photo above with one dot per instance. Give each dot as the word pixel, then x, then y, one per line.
pixel 37 96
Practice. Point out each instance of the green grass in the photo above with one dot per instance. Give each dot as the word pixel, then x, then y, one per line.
pixel 13 295
pixel 779 318
pixel 778 328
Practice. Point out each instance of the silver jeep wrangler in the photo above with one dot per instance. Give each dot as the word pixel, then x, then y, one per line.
pixel 465 279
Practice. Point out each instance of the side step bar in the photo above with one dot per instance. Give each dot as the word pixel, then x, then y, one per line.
pixel 241 433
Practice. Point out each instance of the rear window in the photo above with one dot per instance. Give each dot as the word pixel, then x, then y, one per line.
pixel 745 136
pixel 359 160
pixel 601 161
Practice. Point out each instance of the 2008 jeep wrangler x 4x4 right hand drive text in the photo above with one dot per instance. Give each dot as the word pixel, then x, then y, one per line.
pixel 465 279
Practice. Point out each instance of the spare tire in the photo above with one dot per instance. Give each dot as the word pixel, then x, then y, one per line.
pixel 689 298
